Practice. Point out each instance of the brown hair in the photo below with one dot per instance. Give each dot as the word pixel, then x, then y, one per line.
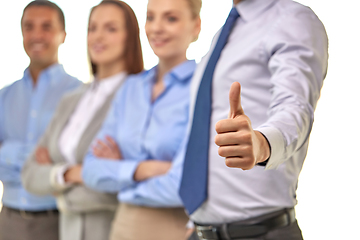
pixel 45 3
pixel 133 53
pixel 195 7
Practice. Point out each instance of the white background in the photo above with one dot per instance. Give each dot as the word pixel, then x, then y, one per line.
pixel 329 183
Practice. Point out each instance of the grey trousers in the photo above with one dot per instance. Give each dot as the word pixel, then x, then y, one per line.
pixel 15 226
pixel 86 226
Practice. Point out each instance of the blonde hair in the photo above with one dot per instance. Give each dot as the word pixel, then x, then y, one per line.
pixel 195 7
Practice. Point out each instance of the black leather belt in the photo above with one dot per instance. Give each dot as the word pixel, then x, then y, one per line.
pixel 238 230
pixel 30 214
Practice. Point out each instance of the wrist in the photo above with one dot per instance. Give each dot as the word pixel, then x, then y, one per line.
pixel 68 175
pixel 141 172
pixel 57 180
pixel 264 148
pixel 73 174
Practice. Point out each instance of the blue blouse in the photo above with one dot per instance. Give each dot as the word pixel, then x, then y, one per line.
pixel 144 130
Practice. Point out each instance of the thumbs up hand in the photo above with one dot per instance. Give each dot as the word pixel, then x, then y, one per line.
pixel 241 146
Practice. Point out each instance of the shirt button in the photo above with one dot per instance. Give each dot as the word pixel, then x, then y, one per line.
pixel 23 200
pixel 33 114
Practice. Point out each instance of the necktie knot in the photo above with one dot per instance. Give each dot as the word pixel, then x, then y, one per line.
pixel 233 13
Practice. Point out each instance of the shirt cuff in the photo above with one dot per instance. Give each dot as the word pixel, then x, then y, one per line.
pixel 57 180
pixel 277 146
pixel 127 171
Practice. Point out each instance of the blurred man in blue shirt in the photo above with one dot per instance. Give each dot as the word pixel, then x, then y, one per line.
pixel 26 108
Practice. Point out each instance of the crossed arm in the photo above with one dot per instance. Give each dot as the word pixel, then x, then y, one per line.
pixel 106 170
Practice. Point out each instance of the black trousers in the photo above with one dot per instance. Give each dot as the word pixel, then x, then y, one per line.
pixel 290 232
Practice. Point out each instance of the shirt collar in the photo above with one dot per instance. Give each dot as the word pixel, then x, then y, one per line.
pixel 181 72
pixel 184 70
pixel 52 74
pixel 250 9
pixel 107 85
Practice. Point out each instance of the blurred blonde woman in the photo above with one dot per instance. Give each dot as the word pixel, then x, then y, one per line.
pixel 135 155
pixel 55 167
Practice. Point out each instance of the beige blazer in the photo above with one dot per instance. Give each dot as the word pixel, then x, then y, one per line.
pixel 36 178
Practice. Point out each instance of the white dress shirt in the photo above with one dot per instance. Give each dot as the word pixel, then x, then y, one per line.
pixel 277 51
pixel 88 105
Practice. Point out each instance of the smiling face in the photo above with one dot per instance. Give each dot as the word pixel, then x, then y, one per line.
pixel 170 28
pixel 42 35
pixel 107 35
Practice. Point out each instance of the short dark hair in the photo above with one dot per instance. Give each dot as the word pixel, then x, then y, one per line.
pixel 133 53
pixel 46 3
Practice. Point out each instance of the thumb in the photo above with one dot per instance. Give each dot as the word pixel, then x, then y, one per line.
pixel 235 100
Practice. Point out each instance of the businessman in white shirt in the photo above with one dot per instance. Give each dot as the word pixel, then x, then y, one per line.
pixel 240 180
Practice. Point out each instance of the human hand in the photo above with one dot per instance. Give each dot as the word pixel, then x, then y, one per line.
pixel 151 168
pixel 241 146
pixel 73 174
pixel 42 156
pixel 107 149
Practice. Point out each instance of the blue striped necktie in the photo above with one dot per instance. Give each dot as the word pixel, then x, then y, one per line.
pixel 193 188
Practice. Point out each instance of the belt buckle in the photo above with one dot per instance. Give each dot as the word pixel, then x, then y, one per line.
pixel 208 229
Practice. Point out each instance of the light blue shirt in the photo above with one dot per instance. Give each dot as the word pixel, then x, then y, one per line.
pixel 25 112
pixel 144 130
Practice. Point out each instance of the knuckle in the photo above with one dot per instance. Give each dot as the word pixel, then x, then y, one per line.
pixel 247 137
pixel 238 123
pixel 247 149
pixel 243 122
pixel 237 137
